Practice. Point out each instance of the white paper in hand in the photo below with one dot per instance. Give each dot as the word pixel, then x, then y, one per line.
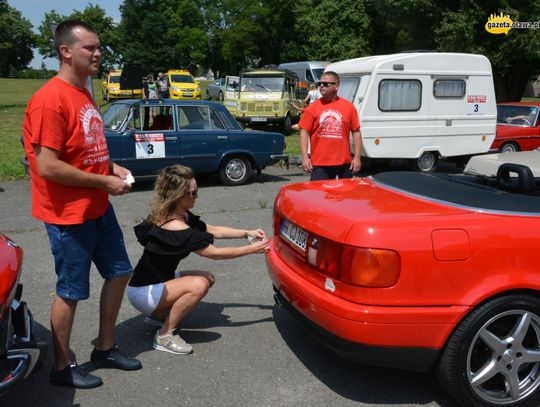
pixel 129 179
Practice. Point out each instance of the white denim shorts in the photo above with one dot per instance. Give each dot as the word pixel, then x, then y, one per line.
pixel 146 298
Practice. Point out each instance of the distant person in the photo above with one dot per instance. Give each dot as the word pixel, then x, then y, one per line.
pixel 72 177
pixel 149 88
pixel 327 124
pixel 152 88
pixel 162 86
pixel 312 95
pixel 169 234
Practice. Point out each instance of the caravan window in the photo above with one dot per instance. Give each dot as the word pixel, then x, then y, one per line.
pixel 400 95
pixel 449 88
pixel 347 88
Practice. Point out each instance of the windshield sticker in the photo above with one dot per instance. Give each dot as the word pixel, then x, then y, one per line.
pixel 150 145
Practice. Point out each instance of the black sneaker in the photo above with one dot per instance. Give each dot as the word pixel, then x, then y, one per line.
pixel 114 359
pixel 74 376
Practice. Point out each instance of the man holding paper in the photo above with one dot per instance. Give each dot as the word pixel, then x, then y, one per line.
pixel 72 177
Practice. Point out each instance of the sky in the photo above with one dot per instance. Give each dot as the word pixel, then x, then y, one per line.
pixel 34 10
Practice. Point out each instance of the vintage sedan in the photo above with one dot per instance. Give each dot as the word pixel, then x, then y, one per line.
pixel 421 271
pixel 518 127
pixel 148 135
pixel 20 354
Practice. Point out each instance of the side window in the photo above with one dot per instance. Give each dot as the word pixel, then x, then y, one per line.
pixel 400 95
pixel 449 88
pixel 215 122
pixel 159 118
pixel 309 76
pixel 198 118
pixel 135 121
pixel 348 87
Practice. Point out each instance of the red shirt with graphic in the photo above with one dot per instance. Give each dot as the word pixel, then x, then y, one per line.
pixel 329 125
pixel 65 118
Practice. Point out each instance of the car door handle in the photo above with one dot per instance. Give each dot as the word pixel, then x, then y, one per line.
pixel 171 138
pixel 222 137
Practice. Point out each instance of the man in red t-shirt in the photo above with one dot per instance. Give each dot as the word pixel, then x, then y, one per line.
pixel 72 177
pixel 327 124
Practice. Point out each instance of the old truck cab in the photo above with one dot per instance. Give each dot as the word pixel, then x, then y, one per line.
pixel 268 97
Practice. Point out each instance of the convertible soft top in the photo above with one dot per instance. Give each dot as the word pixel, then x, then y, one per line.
pixel 461 190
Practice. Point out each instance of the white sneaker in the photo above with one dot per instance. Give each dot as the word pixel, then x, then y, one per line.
pixel 172 343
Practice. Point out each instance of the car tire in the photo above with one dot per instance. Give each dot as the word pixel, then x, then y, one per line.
pixel 235 170
pixel 491 359
pixel 220 96
pixel 287 125
pixel 509 147
pixel 427 162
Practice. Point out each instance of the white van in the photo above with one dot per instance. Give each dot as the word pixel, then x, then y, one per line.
pixel 421 105
pixel 307 71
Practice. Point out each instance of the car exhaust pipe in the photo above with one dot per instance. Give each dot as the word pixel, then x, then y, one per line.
pixel 277 301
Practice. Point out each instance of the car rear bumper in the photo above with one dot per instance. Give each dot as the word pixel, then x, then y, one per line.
pixel 23 353
pixel 403 337
pixel 417 359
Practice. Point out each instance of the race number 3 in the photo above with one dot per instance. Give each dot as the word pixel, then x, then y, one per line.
pixel 149 145
pixel 476 104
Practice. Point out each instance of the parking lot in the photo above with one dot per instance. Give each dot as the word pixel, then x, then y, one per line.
pixel 246 351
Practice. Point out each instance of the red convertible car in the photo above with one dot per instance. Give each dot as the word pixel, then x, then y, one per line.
pixel 518 127
pixel 19 352
pixel 420 271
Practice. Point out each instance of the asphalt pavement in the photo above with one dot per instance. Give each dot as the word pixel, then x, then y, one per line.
pixel 246 351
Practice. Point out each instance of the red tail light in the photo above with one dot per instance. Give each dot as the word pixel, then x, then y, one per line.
pixel 324 254
pixel 369 267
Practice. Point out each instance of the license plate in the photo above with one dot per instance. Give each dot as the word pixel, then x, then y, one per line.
pixel 258 119
pixel 126 92
pixel 187 95
pixel 294 234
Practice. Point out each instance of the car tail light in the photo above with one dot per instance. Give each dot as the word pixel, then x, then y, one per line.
pixel 324 254
pixel 369 267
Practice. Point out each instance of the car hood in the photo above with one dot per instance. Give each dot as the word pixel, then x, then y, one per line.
pixel 331 208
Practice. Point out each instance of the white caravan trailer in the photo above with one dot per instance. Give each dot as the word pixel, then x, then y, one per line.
pixel 421 105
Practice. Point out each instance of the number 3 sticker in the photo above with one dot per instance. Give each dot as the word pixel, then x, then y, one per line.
pixel 149 146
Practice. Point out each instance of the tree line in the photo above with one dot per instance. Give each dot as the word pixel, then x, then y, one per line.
pixel 228 35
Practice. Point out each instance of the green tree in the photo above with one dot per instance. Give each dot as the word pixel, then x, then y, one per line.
pixel 16 40
pixel 333 30
pixel 459 26
pixel 515 57
pixel 93 15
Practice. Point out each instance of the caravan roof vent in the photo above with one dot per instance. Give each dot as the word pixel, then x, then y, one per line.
pixel 399 67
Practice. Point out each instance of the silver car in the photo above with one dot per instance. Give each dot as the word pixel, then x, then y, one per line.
pixel 219 88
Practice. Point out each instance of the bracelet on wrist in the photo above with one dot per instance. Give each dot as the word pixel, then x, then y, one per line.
pixel 246 235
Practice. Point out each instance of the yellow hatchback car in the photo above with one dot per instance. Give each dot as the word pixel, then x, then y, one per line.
pixel 182 85
pixel 110 88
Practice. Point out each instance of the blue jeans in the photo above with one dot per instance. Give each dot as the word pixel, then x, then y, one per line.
pixel 75 247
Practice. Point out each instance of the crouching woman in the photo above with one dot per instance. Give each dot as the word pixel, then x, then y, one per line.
pixel 169 234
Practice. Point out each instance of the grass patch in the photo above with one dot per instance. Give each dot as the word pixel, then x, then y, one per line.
pixel 13 100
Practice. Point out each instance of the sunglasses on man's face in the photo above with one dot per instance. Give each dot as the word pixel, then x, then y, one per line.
pixel 326 84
